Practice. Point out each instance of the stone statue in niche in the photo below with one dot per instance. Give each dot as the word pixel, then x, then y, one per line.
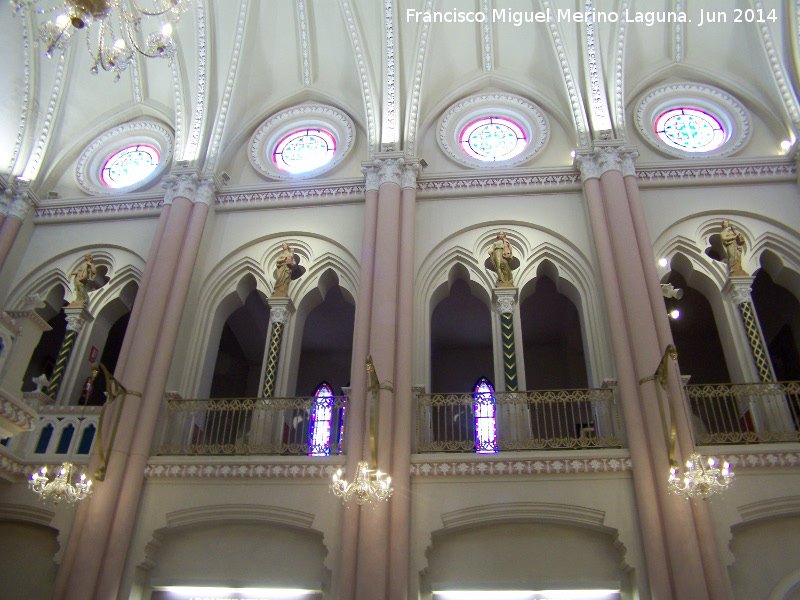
pixel 287 268
pixel 502 260
pixel 733 245
pixel 82 279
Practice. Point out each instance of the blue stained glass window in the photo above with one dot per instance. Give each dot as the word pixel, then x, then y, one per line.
pixel 690 130
pixel 321 414
pixel 485 421
pixel 129 166
pixel 493 138
pixel 304 150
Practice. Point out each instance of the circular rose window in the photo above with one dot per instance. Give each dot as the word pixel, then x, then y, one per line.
pixel 493 138
pixel 304 150
pixel 130 166
pixel 690 130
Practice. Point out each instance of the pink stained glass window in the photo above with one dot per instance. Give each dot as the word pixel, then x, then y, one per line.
pixel 304 150
pixel 690 130
pixel 319 441
pixel 493 139
pixel 129 166
pixel 485 420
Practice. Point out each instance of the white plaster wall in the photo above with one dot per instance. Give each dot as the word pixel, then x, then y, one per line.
pixel 238 243
pixel 432 498
pixel 232 501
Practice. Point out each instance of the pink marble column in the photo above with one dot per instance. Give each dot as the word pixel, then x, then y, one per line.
pixel 400 505
pixel 712 564
pixel 680 533
pixel 356 424
pixel 136 312
pixel 79 583
pixel 372 567
pixel 17 210
pixel 122 527
pixel 650 521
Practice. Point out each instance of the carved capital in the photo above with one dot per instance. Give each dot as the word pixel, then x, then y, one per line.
pixel 183 185
pixel 371 173
pixel 206 191
pixel 280 314
pixel 391 171
pixel 737 290
pixel 5 201
pixel 77 317
pixel 20 205
pixel 32 302
pixel 410 173
pixel 504 300
pixel 593 164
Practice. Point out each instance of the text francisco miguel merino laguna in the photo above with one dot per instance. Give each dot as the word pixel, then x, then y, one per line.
pixel 516 17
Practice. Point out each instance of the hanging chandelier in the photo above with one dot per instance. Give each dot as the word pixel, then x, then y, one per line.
pixel 368 487
pixel 115 29
pixel 61 486
pixel 701 479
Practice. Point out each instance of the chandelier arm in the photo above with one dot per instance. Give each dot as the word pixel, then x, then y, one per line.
pixel 174 4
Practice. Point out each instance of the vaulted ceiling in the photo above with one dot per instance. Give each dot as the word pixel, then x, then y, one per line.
pixel 395 74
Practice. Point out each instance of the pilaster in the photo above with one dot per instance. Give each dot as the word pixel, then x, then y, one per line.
pixel 505 300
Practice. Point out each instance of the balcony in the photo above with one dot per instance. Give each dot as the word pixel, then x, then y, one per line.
pixel 745 413
pixel 245 426
pixel 532 420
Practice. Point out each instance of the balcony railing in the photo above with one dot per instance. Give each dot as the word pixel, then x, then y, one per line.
pixel 745 412
pixel 532 420
pixel 287 426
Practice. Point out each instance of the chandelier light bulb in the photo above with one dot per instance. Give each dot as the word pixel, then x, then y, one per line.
pixel 166 29
pixel 786 144
pixel 675 314
pixel 663 262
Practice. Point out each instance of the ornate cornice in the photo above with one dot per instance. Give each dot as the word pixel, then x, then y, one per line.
pixel 226 95
pixel 573 91
pixel 46 124
pixel 8 321
pixel 308 194
pixel 191 150
pixel 502 466
pixel 773 55
pixel 413 105
pixel 302 27
pixel 16 412
pixel 30 315
pixel 486 43
pixel 619 73
pixel 362 62
pixel 239 470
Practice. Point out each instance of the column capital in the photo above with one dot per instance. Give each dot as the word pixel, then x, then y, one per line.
pixel 19 203
pixel 593 163
pixel 391 167
pixel 77 317
pixel 206 191
pixel 280 310
pixel 181 184
pixel 737 289
pixel 505 298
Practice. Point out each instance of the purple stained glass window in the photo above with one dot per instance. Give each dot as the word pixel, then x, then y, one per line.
pixel 493 138
pixel 304 150
pixel 690 130
pixel 485 421
pixel 129 166
pixel 319 441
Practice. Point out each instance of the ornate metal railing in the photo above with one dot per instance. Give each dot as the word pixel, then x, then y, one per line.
pixel 545 419
pixel 288 426
pixel 745 412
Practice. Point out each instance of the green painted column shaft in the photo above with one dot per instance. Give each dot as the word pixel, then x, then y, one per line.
pixel 757 345
pixel 509 352
pixel 273 353
pixel 61 362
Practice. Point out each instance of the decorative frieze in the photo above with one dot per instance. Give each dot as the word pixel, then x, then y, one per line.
pixel 249 470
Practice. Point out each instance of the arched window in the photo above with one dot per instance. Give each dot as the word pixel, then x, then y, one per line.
pixel 319 439
pixel 485 421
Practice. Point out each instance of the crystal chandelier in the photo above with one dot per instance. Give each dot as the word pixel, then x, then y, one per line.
pixel 114 29
pixel 701 478
pixel 369 486
pixel 61 486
